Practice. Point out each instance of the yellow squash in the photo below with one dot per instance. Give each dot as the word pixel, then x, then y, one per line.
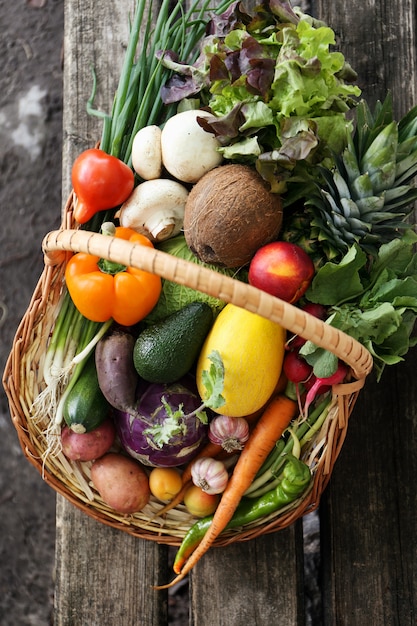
pixel 252 350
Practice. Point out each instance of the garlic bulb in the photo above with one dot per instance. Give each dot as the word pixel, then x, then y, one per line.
pixel 210 475
pixel 229 432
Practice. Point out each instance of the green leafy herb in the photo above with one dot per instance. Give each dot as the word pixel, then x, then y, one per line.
pixel 213 380
pixel 336 282
pixel 324 363
pixel 174 424
pixel 375 304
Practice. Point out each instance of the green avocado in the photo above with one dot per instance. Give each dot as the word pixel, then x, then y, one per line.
pixel 167 350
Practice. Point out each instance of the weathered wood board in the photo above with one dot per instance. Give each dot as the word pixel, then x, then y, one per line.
pixel 369 513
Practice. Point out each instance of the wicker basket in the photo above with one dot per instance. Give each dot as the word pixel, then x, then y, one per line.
pixel 22 381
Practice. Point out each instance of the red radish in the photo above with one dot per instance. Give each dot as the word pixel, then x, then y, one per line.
pixel 334 379
pixel 317 310
pixel 296 369
pixel 295 342
pixel 310 382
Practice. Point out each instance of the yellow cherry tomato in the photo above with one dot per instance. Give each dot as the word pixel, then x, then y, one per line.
pixel 165 483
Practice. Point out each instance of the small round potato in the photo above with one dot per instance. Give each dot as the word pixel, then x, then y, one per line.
pixel 121 482
pixel 88 446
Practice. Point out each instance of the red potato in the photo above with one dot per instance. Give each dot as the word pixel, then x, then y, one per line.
pixel 88 446
pixel 121 482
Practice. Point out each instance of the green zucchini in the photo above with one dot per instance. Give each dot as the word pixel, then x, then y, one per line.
pixel 85 407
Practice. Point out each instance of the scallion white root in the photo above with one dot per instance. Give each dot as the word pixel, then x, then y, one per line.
pixel 72 341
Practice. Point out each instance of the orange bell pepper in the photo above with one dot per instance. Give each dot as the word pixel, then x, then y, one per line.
pixel 102 290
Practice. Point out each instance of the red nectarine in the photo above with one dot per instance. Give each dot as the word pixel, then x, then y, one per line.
pixel 282 269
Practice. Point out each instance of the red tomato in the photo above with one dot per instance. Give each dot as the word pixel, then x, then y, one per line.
pixel 100 182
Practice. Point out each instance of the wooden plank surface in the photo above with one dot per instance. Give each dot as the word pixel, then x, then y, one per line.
pixel 370 510
pixel 256 582
pixel 104 576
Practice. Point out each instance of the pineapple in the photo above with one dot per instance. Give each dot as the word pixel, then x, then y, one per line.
pixel 366 195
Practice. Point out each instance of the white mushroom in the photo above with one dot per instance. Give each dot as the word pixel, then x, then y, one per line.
pixel 188 151
pixel 155 209
pixel 147 152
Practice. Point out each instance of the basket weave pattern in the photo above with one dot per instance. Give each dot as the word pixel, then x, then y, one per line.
pixel 23 381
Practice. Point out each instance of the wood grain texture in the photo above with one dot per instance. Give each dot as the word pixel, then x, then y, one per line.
pixel 96 36
pixel 369 512
pixel 259 582
pixel 379 40
pixel 104 576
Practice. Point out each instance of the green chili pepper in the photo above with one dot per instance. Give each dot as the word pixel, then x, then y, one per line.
pixel 295 478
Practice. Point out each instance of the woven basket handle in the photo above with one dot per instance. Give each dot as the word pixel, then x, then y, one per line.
pixel 214 284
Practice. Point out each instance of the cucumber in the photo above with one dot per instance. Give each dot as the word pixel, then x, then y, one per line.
pixel 85 407
pixel 167 350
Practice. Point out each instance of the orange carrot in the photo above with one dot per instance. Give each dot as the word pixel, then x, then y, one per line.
pixel 271 425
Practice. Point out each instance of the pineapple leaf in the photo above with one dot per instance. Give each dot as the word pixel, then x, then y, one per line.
pixel 407 126
pixel 362 187
pixel 383 178
pixel 382 149
pixel 370 205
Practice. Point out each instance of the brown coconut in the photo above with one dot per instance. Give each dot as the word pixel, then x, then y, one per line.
pixel 230 213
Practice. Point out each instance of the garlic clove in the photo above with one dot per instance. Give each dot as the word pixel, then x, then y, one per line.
pixel 210 475
pixel 229 432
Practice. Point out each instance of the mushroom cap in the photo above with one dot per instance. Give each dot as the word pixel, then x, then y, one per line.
pixel 188 151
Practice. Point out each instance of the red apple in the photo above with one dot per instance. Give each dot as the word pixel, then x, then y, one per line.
pixel 282 269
